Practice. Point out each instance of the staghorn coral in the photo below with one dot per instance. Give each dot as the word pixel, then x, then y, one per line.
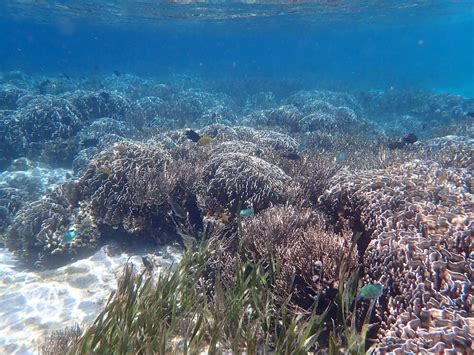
pixel 146 111
pixel 236 179
pixel 92 105
pixel 127 175
pixel 134 87
pixel 9 94
pixel 308 254
pixel 12 142
pixel 325 117
pixel 195 107
pixel 304 100
pixel 37 235
pixel 417 223
pixel 315 115
pixel 287 116
pixel 44 118
pixel 47 125
pixel 139 189
pixel 425 113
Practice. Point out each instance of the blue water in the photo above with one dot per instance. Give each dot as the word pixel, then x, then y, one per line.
pixel 323 88
pixel 426 45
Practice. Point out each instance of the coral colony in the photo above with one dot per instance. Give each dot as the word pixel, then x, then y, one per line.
pixel 306 196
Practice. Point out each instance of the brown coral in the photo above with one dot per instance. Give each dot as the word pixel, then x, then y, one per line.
pixel 309 255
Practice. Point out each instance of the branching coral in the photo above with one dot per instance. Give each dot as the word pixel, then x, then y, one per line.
pixel 236 179
pixel 309 256
pixel 140 189
pixel 9 94
pixel 59 342
pixel 38 233
pixel 92 105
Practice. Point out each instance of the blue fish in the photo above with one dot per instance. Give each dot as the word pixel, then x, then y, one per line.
pixel 341 156
pixel 69 236
pixel 247 212
pixel 370 292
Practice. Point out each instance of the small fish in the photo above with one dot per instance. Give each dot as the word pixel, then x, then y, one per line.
pixel 470 114
pixel 341 157
pixel 148 263
pixel 370 292
pixel 170 144
pixel 292 156
pixel 69 236
pixel 66 76
pixel 117 73
pixel 179 211
pixel 410 138
pixel 246 212
pixel 89 142
pixel 192 135
pixel 204 141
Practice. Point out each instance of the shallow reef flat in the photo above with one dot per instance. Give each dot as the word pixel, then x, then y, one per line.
pixel 295 177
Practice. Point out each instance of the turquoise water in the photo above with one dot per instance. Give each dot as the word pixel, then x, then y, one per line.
pixel 129 127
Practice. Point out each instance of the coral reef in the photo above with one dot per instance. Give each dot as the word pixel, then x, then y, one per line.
pixel 309 255
pixel 24 182
pixel 425 113
pixel 49 232
pixel 416 220
pixel 155 162
pixel 236 180
pixel 9 95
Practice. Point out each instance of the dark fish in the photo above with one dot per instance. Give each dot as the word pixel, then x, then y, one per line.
pixel 117 73
pixel 178 211
pixel 396 145
pixel 470 114
pixel 292 156
pixel 89 142
pixel 192 135
pixel 146 260
pixel 410 138
pixel 66 76
pixel 402 142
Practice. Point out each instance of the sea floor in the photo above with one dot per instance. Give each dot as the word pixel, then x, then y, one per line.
pixel 35 303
